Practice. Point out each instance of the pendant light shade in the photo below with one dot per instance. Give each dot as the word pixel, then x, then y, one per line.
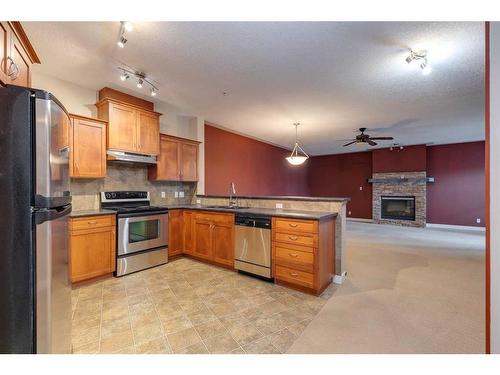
pixel 298 156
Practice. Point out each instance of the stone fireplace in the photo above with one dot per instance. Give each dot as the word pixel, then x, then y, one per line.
pixel 400 198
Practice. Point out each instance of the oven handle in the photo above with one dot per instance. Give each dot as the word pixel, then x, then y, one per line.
pixel 142 214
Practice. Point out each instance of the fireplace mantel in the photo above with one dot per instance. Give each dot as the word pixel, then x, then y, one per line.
pixel 399 180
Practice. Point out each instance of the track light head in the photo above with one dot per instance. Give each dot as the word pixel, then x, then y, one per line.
pixel 124 76
pixel 153 91
pixel 128 26
pixel 139 83
pixel 121 42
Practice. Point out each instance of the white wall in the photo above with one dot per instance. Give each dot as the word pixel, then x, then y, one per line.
pixel 76 99
pixel 495 184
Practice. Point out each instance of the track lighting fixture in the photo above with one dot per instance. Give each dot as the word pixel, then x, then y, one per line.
pixel 141 79
pixel 121 42
pixel 128 26
pixel 420 56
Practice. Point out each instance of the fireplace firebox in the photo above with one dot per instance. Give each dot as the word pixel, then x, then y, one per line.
pixel 397 207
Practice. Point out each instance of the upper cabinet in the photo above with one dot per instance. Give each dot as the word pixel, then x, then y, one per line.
pixel 16 55
pixel 178 160
pixel 88 147
pixel 132 125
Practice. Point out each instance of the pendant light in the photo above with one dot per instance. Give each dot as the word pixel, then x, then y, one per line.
pixel 298 156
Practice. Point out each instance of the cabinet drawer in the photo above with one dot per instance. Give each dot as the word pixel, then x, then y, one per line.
pixel 297 239
pixel 215 217
pixel 294 276
pixel 90 222
pixel 306 226
pixel 291 257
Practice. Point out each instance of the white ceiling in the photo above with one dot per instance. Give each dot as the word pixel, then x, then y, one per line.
pixel 333 77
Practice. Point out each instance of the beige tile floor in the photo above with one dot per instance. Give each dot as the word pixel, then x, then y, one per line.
pixel 189 307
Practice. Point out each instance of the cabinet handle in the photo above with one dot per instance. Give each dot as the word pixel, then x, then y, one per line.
pixel 91 222
pixel 293 238
pixel 293 255
pixel 13 73
pixel 294 274
pixel 293 225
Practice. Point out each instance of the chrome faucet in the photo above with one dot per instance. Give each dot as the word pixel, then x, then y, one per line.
pixel 233 200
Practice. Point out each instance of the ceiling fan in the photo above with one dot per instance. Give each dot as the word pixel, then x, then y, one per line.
pixel 365 138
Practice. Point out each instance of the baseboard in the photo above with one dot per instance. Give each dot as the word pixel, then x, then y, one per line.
pixel 359 219
pixel 456 227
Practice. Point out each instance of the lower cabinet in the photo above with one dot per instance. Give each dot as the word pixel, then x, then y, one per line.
pixel 188 221
pixel 175 233
pixel 92 250
pixel 223 243
pixel 203 239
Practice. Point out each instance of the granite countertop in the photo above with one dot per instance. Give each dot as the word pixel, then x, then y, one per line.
pixel 290 213
pixel 96 212
pixel 282 197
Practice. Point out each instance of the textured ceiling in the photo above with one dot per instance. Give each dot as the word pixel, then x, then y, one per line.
pixel 333 77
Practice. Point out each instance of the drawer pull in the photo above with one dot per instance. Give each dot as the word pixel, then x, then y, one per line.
pixel 293 238
pixel 294 274
pixel 293 255
pixel 91 222
pixel 293 225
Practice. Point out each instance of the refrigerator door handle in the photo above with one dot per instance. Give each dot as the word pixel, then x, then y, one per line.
pixel 42 216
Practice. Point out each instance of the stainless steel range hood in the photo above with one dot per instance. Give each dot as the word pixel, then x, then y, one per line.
pixel 129 157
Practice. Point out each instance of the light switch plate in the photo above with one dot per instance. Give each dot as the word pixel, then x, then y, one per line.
pixel 181 194
pixel 279 205
pixel 163 194
pixel 478 220
pixel 198 201
pixel 361 188
pixel 176 194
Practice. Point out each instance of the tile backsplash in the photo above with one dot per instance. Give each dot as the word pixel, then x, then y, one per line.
pixel 85 192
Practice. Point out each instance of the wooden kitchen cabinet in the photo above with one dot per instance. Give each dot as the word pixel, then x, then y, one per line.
pixel 87 147
pixel 177 161
pixel 16 55
pixel 214 237
pixel 92 251
pixel 303 253
pixel 175 233
pixel 188 222
pixel 130 128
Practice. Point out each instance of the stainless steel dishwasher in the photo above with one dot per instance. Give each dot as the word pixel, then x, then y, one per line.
pixel 253 244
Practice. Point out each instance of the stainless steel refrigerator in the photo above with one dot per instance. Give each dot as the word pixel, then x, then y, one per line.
pixel 35 202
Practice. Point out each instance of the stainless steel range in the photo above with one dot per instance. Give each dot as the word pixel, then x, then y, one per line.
pixel 142 235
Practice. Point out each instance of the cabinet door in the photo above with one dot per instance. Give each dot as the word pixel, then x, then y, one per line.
pixel 148 133
pixel 189 161
pixel 203 239
pixel 175 232
pixel 188 221
pixel 88 149
pixel 223 243
pixel 92 253
pixel 122 128
pixel 4 51
pixel 22 65
pixel 168 163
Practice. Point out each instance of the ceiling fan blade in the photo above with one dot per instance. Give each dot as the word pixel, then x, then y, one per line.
pixel 371 143
pixel 350 143
pixel 382 138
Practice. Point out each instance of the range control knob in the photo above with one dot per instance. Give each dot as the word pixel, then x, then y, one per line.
pixel 107 195
pixel 113 195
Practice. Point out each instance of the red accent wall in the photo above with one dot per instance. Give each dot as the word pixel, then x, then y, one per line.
pixel 341 176
pixel 457 195
pixel 256 168
pixel 409 159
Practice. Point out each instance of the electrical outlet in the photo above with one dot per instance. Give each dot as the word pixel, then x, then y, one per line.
pixel 349 212
pixel 181 194
pixel 361 188
pixel 478 220
pixel 163 194
pixel 279 205
pixel 198 201
pixel 176 194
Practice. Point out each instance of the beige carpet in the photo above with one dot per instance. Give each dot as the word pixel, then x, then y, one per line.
pixel 409 290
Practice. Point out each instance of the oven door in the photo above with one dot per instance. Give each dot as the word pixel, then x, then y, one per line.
pixel 141 233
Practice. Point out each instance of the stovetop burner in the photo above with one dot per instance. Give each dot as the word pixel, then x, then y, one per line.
pixel 128 202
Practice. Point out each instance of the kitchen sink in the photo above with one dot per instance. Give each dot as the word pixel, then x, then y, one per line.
pixel 229 207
